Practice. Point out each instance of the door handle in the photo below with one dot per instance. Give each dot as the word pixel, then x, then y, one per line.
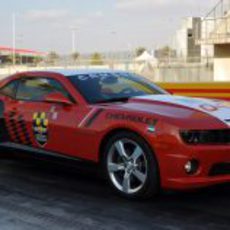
pixel 15 109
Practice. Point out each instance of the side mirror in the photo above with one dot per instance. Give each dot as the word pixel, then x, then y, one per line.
pixel 57 98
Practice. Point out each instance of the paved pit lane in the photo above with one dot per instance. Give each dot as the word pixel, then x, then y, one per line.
pixel 44 196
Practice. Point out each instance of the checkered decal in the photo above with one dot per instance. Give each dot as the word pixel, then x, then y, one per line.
pixel 4 135
pixel 17 128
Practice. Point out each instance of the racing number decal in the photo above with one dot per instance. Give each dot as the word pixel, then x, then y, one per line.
pixel 40 128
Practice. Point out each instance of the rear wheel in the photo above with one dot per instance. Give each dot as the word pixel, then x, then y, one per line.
pixel 130 166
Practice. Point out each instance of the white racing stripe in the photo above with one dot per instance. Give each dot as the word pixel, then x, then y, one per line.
pixel 217 108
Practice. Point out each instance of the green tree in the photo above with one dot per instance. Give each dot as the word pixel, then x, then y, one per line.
pixel 9 59
pixel 37 60
pixel 18 59
pixel 52 57
pixel 96 59
pixel 75 56
pixel 165 52
pixel 139 51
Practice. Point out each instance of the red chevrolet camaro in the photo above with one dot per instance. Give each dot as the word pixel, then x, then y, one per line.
pixel 144 138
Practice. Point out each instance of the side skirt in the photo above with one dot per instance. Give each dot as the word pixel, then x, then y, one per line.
pixel 48 156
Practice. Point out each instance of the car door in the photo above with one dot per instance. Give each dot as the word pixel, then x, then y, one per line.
pixel 28 115
pixel 7 104
pixel 51 126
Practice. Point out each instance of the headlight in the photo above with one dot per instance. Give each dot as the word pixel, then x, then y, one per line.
pixel 206 136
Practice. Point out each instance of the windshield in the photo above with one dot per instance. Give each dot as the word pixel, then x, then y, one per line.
pixel 108 87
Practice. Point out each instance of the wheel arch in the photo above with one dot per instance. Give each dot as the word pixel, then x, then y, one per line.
pixel 114 131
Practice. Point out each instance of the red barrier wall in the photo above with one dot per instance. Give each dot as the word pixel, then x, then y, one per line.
pixel 217 90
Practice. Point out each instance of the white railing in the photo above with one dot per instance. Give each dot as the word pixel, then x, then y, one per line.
pixel 215 27
pixel 164 70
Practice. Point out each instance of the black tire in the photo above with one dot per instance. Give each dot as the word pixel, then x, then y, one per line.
pixel 151 186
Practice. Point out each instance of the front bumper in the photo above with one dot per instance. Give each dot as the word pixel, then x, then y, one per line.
pixel 214 166
pixel 199 182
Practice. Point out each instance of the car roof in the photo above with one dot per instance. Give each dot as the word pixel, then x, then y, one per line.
pixel 73 72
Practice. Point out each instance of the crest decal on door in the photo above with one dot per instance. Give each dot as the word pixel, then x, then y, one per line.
pixel 40 128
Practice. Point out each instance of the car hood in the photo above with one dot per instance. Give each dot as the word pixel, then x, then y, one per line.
pixel 178 106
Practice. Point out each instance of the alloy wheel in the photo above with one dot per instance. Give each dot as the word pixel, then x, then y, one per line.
pixel 127 166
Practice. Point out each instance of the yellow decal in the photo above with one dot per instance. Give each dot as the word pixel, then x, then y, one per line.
pixel 40 128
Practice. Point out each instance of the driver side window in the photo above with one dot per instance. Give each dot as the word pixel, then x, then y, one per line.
pixel 36 89
pixel 9 89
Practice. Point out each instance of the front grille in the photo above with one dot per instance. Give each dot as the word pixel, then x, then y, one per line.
pixel 220 169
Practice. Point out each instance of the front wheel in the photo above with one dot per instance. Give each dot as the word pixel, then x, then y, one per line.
pixel 130 166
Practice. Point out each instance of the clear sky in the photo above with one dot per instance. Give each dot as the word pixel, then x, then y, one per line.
pixel 102 25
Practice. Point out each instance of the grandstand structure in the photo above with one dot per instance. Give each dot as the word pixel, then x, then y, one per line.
pixel 23 56
pixel 216 31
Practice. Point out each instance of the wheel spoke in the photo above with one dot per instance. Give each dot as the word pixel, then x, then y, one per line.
pixel 139 175
pixel 115 167
pixel 137 153
pixel 127 165
pixel 120 149
pixel 126 183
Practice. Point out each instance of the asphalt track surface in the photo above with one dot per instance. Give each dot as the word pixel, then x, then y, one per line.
pixel 43 196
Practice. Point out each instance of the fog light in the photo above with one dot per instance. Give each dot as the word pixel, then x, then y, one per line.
pixel 191 167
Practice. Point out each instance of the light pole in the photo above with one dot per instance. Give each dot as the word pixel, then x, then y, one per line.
pixel 74 30
pixel 13 40
pixel 19 40
pixel 113 34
